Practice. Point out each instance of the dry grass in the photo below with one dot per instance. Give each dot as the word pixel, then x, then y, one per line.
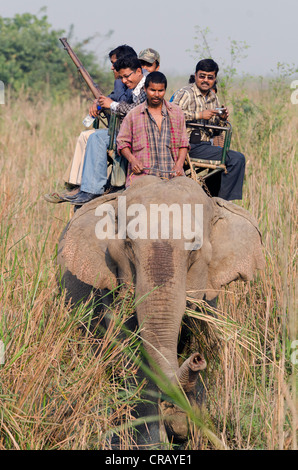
pixel 55 392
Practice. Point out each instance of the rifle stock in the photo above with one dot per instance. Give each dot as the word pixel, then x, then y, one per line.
pixel 86 76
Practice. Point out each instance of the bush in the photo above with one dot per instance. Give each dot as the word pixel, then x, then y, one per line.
pixel 32 59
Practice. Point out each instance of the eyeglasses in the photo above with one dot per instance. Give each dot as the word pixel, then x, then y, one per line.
pixel 126 76
pixel 203 76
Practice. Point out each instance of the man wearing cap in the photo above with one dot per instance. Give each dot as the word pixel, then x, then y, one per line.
pixel 150 60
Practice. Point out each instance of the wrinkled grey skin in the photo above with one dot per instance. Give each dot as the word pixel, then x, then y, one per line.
pixel 231 250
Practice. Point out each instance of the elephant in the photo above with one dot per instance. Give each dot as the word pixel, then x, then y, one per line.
pixel 118 240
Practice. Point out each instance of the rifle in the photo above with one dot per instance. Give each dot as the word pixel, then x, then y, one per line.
pixel 86 76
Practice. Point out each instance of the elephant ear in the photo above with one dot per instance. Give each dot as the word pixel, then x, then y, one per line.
pixel 236 246
pixel 81 255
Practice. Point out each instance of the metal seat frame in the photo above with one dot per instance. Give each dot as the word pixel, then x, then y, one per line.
pixel 199 169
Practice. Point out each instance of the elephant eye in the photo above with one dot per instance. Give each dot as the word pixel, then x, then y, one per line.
pixel 128 249
pixel 192 258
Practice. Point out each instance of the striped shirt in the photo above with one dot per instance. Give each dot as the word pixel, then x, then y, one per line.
pixel 192 103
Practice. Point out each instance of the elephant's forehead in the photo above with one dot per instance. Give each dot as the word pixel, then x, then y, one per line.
pixel 167 195
pixel 170 197
pixel 167 190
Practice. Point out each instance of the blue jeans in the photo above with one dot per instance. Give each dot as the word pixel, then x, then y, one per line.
pixel 94 175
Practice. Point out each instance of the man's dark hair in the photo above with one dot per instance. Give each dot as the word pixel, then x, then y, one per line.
pixel 214 88
pixel 207 65
pixel 128 62
pixel 122 51
pixel 156 77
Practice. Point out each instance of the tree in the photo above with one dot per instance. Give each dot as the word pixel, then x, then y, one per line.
pixel 203 50
pixel 31 58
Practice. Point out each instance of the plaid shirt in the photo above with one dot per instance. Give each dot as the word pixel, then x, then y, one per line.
pixel 159 144
pixel 192 103
pixel 136 134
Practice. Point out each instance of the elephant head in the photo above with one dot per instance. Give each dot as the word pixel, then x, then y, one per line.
pixel 200 253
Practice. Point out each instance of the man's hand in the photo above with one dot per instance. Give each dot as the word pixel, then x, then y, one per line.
pixel 93 111
pixel 136 166
pixel 208 113
pixel 104 101
pixel 224 114
pixel 178 169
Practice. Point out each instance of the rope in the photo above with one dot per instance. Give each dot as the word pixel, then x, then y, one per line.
pixel 155 169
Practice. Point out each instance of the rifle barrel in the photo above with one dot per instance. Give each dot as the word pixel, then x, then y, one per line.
pixel 86 76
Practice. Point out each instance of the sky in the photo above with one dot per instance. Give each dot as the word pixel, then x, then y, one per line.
pixel 268 27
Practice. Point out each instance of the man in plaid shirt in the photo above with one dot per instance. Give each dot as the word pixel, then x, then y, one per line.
pixel 199 103
pixel 153 135
pixel 94 176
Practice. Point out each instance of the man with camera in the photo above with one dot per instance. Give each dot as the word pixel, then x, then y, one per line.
pixel 200 104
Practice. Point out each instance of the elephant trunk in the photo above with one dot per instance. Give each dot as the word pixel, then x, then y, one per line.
pixel 187 374
pixel 160 314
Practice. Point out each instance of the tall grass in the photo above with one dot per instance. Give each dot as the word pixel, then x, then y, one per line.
pixel 62 387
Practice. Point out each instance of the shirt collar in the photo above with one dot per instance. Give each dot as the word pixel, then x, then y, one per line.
pixel 137 89
pixel 164 110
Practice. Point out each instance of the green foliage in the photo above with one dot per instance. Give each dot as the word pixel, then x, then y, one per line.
pixel 265 111
pixel 32 59
pixel 280 82
pixel 243 108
